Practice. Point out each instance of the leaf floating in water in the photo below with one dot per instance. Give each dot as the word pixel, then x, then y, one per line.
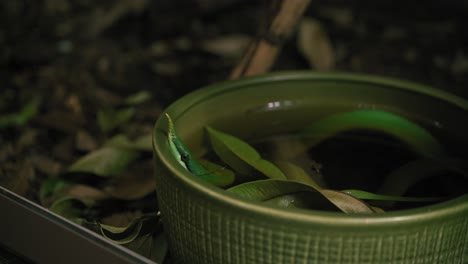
pixel 264 190
pixel 380 197
pixel 296 173
pixel 241 156
pixel 416 137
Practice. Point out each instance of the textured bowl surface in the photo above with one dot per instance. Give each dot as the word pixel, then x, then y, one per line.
pixel 208 225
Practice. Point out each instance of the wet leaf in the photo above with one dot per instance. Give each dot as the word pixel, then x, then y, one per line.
pixel 138 98
pixel 380 197
pixel 416 137
pixel 296 173
pixel 315 45
pixel 27 112
pixel 241 156
pixel 347 203
pixel 264 190
pixel 105 162
pixel 108 119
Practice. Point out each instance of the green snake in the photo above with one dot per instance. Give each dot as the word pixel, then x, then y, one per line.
pixel 186 159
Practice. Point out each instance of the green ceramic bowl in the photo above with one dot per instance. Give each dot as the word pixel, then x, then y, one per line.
pixel 208 225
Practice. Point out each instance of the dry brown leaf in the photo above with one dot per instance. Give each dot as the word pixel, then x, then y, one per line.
pixel 46 164
pixel 85 141
pixel 121 219
pixel 133 184
pixel 81 192
pixel 17 177
pixel 232 46
pixel 315 45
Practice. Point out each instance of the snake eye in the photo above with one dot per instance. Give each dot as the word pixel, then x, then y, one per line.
pixel 184 157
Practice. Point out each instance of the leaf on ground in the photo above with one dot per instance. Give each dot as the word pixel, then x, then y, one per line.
pixel 240 156
pixel 138 227
pixel 105 162
pixel 137 182
pixel 71 208
pixel 315 45
pixel 108 119
pixel 143 143
pixel 82 192
pixel 153 246
pixel 84 141
pixel 415 136
pixel 49 188
pixel 17 177
pixel 264 190
pixel 27 112
pixel 138 98
pixel 231 46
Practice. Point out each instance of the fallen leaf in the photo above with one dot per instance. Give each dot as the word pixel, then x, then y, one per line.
pixel 315 45
pixel 231 46
pixel 85 141
pixel 136 183
pixel 105 162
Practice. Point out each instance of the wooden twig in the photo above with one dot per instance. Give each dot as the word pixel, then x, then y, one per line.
pixel 262 52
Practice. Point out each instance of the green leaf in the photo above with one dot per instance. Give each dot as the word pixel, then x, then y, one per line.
pixel 27 112
pixel 143 143
pixel 241 156
pixel 108 119
pixel 415 136
pixel 123 235
pixel 296 173
pixel 153 246
pixel 346 202
pixel 50 187
pixel 380 197
pixel 138 98
pixel 71 208
pixel 264 190
pixel 105 162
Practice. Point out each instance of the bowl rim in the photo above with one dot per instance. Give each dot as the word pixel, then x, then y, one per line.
pixel 413 216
